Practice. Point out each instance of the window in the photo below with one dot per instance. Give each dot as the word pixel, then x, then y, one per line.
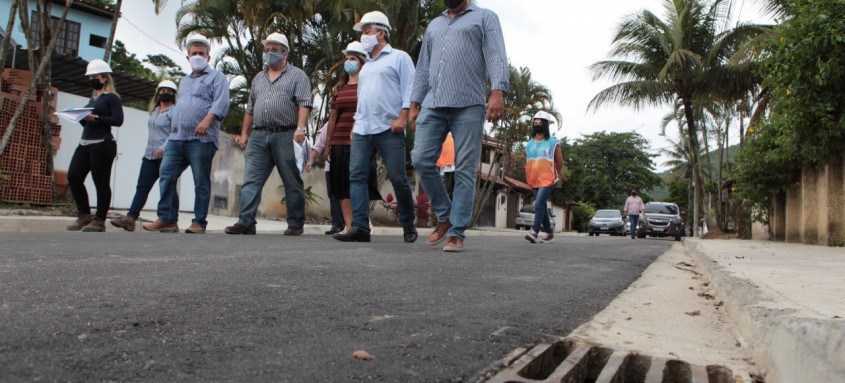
pixel 485 155
pixel 68 42
pixel 97 41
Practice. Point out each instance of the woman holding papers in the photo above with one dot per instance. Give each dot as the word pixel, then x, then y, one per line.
pixel 159 125
pixel 97 149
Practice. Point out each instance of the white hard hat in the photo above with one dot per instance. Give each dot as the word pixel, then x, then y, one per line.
pixel 374 17
pixel 355 47
pixel 544 116
pixel 97 66
pixel 196 38
pixel 278 38
pixel 167 84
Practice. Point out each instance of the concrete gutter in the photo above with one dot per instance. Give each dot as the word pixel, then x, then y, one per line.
pixel 786 301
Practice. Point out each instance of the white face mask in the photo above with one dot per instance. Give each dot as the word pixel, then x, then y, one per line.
pixel 369 42
pixel 198 63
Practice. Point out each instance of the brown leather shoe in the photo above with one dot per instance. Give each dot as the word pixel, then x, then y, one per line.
pixel 81 221
pixel 161 227
pixel 195 228
pixel 454 244
pixel 237 228
pixel 126 223
pixel 96 226
pixel 439 233
pixel 294 231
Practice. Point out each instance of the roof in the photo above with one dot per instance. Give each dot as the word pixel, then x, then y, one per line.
pixel 517 184
pixel 498 182
pixel 90 7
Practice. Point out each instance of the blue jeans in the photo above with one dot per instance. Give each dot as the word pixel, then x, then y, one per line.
pixel 146 179
pixel 178 155
pixel 391 147
pixel 541 209
pixel 633 219
pixel 263 151
pixel 334 203
pixel 467 127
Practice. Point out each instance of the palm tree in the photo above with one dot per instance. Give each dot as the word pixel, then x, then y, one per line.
pixel 684 57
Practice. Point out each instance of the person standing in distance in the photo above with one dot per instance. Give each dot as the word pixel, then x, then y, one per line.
pixel 633 206
pixel 463 51
pixel 194 134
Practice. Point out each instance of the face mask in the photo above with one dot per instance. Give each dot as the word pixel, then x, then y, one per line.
pixel 273 58
pixel 96 84
pixel 351 67
pixel 198 63
pixel 452 4
pixel 537 129
pixel 633 194
pixel 167 97
pixel 369 42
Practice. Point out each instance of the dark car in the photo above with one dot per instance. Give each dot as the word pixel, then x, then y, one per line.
pixel 661 219
pixel 525 218
pixel 608 222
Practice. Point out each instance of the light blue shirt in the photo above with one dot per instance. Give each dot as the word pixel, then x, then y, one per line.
pixel 458 57
pixel 197 97
pixel 159 125
pixel 384 89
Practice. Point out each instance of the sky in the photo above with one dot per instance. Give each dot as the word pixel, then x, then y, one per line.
pixel 557 40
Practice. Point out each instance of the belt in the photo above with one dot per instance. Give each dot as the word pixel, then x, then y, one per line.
pixel 275 129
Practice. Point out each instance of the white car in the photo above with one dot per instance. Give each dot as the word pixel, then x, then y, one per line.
pixel 525 218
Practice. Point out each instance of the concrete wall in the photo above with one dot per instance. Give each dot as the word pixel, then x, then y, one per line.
pixel 131 143
pixel 813 212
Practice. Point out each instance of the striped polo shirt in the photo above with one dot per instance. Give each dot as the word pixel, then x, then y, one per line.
pixel 344 103
pixel 540 163
pixel 276 103
pixel 457 58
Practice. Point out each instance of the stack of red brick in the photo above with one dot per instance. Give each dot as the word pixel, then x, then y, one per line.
pixel 25 159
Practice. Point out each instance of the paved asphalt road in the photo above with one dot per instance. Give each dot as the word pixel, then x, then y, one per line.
pixel 158 307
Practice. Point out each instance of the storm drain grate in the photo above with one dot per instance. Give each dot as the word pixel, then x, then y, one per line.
pixel 570 361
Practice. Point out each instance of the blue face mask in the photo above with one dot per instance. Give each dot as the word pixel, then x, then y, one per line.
pixel 350 66
pixel 273 58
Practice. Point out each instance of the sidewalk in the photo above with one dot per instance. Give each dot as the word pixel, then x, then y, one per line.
pixel 786 301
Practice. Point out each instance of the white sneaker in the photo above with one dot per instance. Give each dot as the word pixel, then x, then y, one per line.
pixel 531 236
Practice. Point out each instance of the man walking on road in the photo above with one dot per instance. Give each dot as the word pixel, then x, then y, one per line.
pixel 462 49
pixel 384 96
pixel 276 115
pixel 633 206
pixel 203 101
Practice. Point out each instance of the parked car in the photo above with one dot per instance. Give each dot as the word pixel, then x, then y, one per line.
pixel 525 218
pixel 661 219
pixel 607 221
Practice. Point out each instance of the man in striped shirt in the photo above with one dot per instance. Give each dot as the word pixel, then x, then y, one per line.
pixel 203 101
pixel 462 49
pixel 276 115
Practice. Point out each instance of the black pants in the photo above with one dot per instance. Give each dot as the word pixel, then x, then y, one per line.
pixel 96 159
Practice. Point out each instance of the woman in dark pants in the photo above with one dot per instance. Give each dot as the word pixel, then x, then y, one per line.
pixel 159 125
pixel 97 149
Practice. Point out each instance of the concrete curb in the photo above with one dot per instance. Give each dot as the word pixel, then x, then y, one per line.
pixel 788 348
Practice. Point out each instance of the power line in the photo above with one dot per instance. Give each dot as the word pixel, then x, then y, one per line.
pixel 149 36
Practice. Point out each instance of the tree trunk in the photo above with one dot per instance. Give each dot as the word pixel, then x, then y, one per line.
pixel 757 115
pixel 696 163
pixel 107 54
pixel 7 37
pixel 485 192
pixel 45 59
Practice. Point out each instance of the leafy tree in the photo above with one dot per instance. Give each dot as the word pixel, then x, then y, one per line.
pixel 605 166
pixel 683 58
pixel 166 68
pixel 124 61
pixel 805 69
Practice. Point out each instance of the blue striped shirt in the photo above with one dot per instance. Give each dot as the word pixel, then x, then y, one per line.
pixel 159 125
pixel 458 56
pixel 197 97
pixel 384 89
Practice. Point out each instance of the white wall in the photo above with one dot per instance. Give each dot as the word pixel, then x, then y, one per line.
pixel 131 143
